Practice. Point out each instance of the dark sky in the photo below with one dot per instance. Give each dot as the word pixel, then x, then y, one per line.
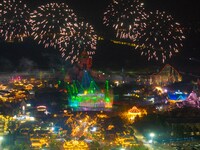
pixel 109 55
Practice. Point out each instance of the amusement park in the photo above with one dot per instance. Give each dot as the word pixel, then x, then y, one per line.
pixel 99 75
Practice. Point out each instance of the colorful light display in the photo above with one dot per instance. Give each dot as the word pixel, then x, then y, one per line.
pixel 126 17
pixel 49 21
pixel 162 37
pixel 88 94
pixel 14 20
pixel 177 96
pixel 155 35
pixel 83 39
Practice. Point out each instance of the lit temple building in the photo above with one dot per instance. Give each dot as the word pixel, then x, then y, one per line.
pixel 132 113
pixel 165 76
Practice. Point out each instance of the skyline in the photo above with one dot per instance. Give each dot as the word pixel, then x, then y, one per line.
pixel 107 53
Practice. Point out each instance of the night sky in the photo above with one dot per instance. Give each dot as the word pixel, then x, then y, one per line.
pixel 108 55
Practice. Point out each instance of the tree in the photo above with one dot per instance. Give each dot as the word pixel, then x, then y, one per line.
pixel 55 145
pixel 94 145
pixel 141 147
pixel 22 146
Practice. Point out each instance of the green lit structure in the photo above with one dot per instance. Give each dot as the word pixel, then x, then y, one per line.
pixel 87 94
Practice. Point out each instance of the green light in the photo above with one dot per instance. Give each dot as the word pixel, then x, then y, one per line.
pixel 62 69
pixel 107 85
pixel 88 93
pixel 107 99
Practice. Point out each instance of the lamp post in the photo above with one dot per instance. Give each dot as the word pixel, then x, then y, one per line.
pixel 1 139
pixel 152 135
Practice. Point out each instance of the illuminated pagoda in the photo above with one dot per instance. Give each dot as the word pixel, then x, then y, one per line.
pixel 88 95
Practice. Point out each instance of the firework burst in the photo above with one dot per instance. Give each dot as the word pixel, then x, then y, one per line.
pixel 14 20
pixel 83 39
pixel 161 38
pixel 50 21
pixel 126 17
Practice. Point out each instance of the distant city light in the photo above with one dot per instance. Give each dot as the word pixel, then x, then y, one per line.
pixel 152 135
pixel 1 138
pixel 28 105
pixel 94 129
pixel 150 141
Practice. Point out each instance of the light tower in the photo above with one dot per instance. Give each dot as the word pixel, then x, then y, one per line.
pixel 23 107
